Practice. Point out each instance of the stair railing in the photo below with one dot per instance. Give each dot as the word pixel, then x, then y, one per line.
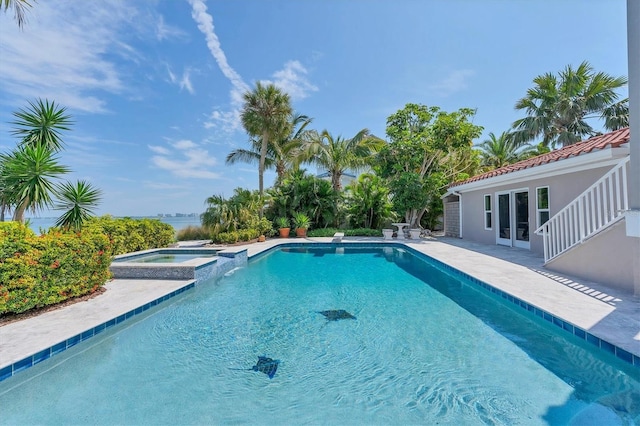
pixel 598 207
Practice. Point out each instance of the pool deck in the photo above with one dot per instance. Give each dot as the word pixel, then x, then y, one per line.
pixel 611 315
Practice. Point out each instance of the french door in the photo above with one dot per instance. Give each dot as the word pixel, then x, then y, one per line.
pixel 513 218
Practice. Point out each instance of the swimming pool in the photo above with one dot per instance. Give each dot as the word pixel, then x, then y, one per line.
pixel 424 347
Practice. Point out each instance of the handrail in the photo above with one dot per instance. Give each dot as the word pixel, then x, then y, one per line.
pixel 599 206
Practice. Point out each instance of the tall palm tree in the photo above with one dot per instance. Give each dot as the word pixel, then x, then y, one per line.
pixel 78 201
pixel 557 107
pixel 29 174
pixel 19 9
pixel 282 154
pixel 264 116
pixel 502 150
pixel 337 155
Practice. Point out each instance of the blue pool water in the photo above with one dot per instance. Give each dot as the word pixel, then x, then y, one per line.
pixel 425 348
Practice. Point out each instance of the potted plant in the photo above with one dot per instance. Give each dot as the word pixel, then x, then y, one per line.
pixel 284 227
pixel 301 222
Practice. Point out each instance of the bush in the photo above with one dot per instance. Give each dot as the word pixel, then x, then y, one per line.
pixel 193 233
pixel 37 271
pixel 226 237
pixel 359 232
pixel 128 235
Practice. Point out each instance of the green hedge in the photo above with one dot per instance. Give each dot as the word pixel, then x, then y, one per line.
pixel 128 235
pixel 37 271
pixel 358 232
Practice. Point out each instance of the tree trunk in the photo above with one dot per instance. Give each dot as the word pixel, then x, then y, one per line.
pixel 263 156
pixel 18 215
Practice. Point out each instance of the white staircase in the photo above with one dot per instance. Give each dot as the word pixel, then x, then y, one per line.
pixel 597 208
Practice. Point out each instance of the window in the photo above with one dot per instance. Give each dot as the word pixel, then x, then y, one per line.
pixel 542 205
pixel 487 212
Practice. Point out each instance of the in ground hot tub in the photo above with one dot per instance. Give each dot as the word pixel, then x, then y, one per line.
pixel 175 263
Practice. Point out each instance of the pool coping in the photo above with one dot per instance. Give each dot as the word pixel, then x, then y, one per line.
pixel 257 250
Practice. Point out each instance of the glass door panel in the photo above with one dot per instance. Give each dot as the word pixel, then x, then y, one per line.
pixel 521 208
pixel 504 219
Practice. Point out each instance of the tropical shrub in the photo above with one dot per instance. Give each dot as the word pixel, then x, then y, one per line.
pixel 241 211
pixel 358 232
pixel 367 202
pixel 128 235
pixel 37 271
pixel 193 233
pixel 300 193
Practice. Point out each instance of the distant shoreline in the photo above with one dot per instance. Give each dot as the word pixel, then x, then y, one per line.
pixel 178 223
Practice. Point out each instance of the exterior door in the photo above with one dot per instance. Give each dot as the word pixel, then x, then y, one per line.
pixel 513 218
pixel 503 228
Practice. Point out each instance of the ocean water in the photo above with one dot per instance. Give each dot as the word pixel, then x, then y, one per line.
pixel 178 223
pixel 424 348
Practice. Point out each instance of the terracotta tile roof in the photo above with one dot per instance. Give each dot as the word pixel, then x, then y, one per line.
pixel 613 140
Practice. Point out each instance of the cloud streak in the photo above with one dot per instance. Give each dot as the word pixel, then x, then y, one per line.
pixel 184 159
pixel 292 78
pixel 455 82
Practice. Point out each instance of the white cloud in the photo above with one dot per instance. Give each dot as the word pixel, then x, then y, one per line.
pixel 186 160
pixel 159 149
pixel 454 82
pixel 62 53
pixel 185 83
pixel 164 31
pixel 293 80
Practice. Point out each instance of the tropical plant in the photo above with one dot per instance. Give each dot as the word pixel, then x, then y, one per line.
pixel 282 154
pixel 264 116
pixel 78 201
pixel 41 124
pixel 557 107
pixel 299 192
pixel 19 9
pixel 499 151
pixel 301 221
pixel 336 155
pixel 422 141
pixel 240 212
pixel 29 173
pixel 282 222
pixel 368 203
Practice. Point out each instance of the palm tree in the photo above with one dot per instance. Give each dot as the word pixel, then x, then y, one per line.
pixel 264 116
pixel 29 174
pixel 282 154
pixel 337 155
pixel 19 9
pixel 78 200
pixel 41 124
pixel 557 107
pixel 500 151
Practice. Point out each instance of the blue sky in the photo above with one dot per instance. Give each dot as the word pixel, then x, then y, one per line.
pixel 155 87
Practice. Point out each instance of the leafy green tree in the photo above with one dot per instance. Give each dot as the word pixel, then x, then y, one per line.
pixel 78 201
pixel 557 107
pixel 265 116
pixel 422 141
pixel 282 154
pixel 337 155
pixel 19 9
pixel 368 203
pixel 499 151
pixel 29 174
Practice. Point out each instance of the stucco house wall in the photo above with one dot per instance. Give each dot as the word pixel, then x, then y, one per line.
pixel 563 189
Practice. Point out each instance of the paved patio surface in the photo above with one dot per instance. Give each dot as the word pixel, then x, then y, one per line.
pixel 604 312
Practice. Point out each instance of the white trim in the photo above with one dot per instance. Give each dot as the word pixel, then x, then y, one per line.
pixel 538 210
pixel 485 211
pixel 587 161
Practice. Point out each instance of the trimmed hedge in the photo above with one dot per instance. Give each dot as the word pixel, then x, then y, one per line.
pixel 37 271
pixel 127 235
pixel 358 232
